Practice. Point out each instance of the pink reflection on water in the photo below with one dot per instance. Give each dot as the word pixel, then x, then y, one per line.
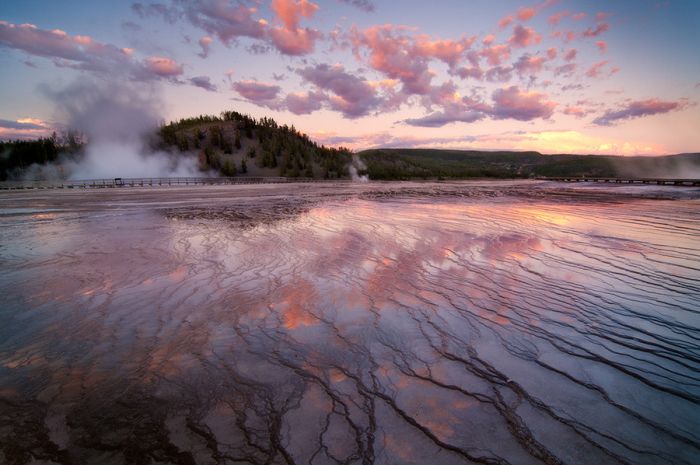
pixel 447 308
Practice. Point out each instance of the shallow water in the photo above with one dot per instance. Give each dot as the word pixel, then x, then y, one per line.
pixel 497 323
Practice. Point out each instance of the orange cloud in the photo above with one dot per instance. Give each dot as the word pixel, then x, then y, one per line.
pixel 505 22
pixel 526 13
pixel 496 54
pixel 290 39
pixel 290 11
pixel 294 41
pixel 164 66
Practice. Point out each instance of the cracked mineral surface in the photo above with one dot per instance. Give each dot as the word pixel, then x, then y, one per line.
pixel 430 323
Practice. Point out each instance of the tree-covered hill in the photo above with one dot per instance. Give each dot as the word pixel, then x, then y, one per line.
pixel 235 144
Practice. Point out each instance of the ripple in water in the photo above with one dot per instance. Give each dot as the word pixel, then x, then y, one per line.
pixel 369 329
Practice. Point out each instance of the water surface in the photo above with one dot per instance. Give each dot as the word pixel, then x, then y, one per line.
pixel 495 323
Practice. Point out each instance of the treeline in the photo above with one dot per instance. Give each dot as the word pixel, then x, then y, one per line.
pixel 234 144
pixel 395 164
pixel 18 155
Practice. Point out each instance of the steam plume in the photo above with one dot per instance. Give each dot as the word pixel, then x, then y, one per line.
pixel 117 119
pixel 356 165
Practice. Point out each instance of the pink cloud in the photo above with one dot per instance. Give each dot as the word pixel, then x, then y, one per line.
pixel 524 36
pixel 499 74
pixel 505 22
pixel 164 67
pixel 529 65
pixel 290 39
pixel 256 91
pixel 221 18
pixel 596 69
pixel 601 16
pixel 602 46
pixel 84 53
pixel 496 54
pixel 551 53
pixel 579 16
pixel 447 51
pixel 205 43
pixel 439 119
pixel 526 13
pixel 231 20
pixel 57 44
pixel 570 54
pixel 508 103
pixel 595 32
pixel 22 124
pixel 396 55
pixel 291 11
pixel 304 103
pixel 577 111
pixel 488 40
pixel 24 128
pixel 640 108
pixel 512 103
pixel 294 41
pixel 469 72
pixel 453 108
pixel 351 95
pixel 556 18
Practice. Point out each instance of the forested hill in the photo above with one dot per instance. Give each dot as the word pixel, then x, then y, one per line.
pixel 432 163
pixel 235 144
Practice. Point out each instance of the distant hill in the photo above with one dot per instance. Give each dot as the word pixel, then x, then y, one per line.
pixel 239 145
pixel 459 164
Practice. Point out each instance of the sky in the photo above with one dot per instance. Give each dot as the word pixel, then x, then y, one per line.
pixel 566 76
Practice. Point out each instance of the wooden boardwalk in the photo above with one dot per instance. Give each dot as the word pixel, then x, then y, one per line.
pixel 145 182
pixel 657 181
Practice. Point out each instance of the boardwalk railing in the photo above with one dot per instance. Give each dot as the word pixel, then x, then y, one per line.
pixel 146 182
pixel 658 181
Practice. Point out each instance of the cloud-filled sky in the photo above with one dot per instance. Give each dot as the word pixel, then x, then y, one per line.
pixel 560 76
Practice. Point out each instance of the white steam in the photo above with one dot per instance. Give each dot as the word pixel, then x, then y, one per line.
pixel 128 160
pixel 117 119
pixel 675 167
pixel 355 165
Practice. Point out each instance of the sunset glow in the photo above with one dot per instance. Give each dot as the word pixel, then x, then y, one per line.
pixel 555 76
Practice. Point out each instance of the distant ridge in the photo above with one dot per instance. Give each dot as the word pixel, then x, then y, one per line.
pixel 397 163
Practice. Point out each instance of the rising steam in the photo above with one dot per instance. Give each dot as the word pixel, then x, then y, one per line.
pixel 357 165
pixel 683 166
pixel 117 120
